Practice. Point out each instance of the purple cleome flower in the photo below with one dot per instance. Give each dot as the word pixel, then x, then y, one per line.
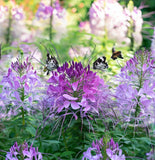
pixel 45 11
pixel 20 87
pixel 96 147
pixel 18 152
pixel 135 94
pixel 75 88
pixel 151 155
pixel 17 13
pixel 113 151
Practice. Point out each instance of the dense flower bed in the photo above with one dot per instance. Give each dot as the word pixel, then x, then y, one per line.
pixel 97 99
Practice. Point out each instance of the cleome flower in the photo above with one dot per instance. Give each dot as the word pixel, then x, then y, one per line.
pixel 75 88
pixel 19 87
pixel 18 152
pixel 45 11
pixel 112 150
pixel 135 92
pixel 103 21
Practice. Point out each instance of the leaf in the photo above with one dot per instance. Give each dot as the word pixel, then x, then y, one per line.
pixel 8 48
pixel 67 153
pixel 31 130
pixel 51 141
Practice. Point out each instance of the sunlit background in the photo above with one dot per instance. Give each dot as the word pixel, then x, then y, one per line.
pixel 75 27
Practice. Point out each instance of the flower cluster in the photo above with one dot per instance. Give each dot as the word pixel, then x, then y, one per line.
pixel 59 18
pixel 18 152
pixel 128 23
pixel 45 11
pixel 19 87
pixel 136 21
pixel 150 155
pixel 135 93
pixel 75 88
pixel 17 13
pixel 112 150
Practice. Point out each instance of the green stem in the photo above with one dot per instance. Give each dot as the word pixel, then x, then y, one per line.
pixel 9 28
pixel 140 86
pixel 64 138
pixel 65 142
pixel 103 151
pixel 23 118
pixel 50 27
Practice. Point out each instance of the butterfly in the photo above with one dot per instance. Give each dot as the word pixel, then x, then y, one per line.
pixel 116 54
pixel 51 63
pixel 100 63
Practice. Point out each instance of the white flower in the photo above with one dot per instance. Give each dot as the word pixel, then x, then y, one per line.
pixel 97 19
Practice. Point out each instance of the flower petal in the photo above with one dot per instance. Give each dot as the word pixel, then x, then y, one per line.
pixel 75 105
pixel 69 97
pixel 66 104
pixel 75 85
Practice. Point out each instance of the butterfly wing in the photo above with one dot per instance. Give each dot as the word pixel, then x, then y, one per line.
pixel 51 63
pixel 100 63
pixel 116 54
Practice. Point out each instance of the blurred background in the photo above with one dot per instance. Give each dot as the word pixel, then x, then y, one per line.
pixel 80 30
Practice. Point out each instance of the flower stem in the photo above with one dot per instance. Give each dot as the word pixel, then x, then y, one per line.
pixel 140 86
pixel 64 138
pixel 9 28
pixel 103 151
pixel 50 27
pixel 23 118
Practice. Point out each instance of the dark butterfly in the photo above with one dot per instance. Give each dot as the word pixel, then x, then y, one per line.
pixel 116 54
pixel 100 63
pixel 51 63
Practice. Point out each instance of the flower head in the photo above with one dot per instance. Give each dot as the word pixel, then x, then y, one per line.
pixel 76 88
pixel 102 17
pixel 23 151
pixel 135 93
pixel 44 11
pixel 113 151
pixel 17 13
pixel 150 155
pixel 21 68
pixel 20 87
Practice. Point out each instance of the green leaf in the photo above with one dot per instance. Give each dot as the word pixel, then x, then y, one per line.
pixel 67 153
pixel 31 130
